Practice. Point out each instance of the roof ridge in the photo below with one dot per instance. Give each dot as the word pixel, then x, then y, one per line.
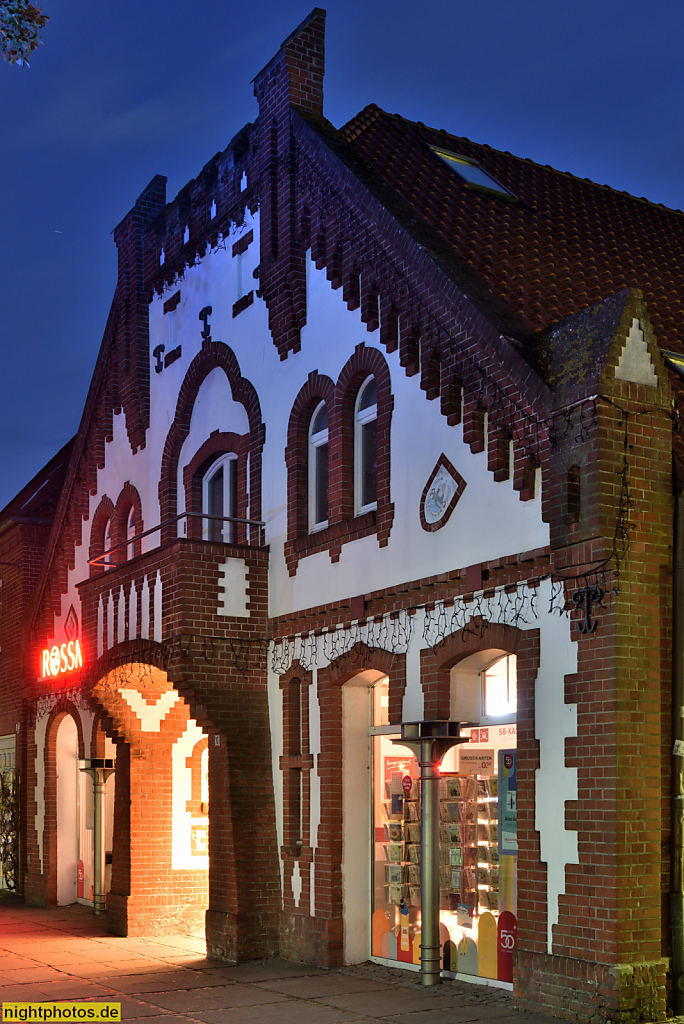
pixel 379 112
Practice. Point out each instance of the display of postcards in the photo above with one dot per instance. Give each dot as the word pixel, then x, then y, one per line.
pixel 393 873
pixel 395 853
pixel 493 899
pixel 488 809
pixel 411 810
pixel 468 787
pixel 494 876
pixel 444 875
pixel 493 832
pixel 485 900
pixel 483 855
pixel 493 784
pixel 394 894
pixel 413 829
pixel 483 832
pixel 414 874
pixel 414 896
pixel 469 810
pixel 450 833
pixel 456 879
pixel 456 856
pixel 413 853
pixel 451 810
pixel 394 832
pixel 483 876
pixel 469 880
pixel 387 811
pixel 493 854
pixel 468 834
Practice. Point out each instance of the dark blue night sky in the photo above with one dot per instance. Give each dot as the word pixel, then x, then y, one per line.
pixel 125 89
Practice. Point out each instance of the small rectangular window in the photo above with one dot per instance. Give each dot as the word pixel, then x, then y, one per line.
pixel 472 173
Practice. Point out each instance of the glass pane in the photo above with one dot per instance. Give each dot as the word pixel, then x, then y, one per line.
pixel 369 395
pixel 320 420
pixel 321 484
pixel 500 687
pixel 215 505
pixel 369 464
pixel 477 832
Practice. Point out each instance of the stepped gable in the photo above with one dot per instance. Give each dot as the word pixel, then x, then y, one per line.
pixel 566 244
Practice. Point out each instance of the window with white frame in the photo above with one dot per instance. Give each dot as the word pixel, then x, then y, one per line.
pixel 219 499
pixel 107 544
pixel 499 687
pixel 130 533
pixel 366 447
pixel 318 469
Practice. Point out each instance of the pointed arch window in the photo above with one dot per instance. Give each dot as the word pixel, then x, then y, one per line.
pixel 219 500
pixel 318 469
pixel 366 447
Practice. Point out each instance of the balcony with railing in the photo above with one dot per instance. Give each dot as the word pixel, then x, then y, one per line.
pixel 206 576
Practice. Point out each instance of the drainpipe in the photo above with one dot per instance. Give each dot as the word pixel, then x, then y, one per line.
pixel 677 842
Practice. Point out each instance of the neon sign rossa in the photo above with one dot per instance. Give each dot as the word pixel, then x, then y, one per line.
pixel 56 661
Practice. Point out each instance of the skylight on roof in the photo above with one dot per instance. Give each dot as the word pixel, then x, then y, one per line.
pixel 472 173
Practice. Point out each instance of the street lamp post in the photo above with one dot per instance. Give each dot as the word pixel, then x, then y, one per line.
pixel 430 741
pixel 99 769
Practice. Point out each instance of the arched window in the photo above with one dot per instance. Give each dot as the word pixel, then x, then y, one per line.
pixel 366 448
pixel 318 469
pixel 107 544
pixel 499 687
pixel 219 499
pixel 130 533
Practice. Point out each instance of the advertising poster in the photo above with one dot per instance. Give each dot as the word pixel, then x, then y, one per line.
pixel 508 810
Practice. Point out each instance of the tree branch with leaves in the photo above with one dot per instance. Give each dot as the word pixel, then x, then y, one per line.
pixel 20 22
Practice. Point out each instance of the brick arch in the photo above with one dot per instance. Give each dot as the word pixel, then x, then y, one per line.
pixel 64 708
pixel 479 635
pixel 362 658
pixel 364 363
pixel 128 498
pixel 213 355
pixel 104 511
pixel 318 388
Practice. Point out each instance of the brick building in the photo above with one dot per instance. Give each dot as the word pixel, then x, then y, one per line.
pixel 380 432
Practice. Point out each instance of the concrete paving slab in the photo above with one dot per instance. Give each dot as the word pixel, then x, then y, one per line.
pixel 265 970
pixel 163 981
pixel 323 985
pixel 291 1012
pixel 218 998
pixel 396 1000
pixel 35 974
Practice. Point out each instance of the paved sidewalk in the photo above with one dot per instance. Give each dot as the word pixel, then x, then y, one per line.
pixel 64 953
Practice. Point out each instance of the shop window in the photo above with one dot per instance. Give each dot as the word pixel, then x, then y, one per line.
pixel 219 500
pixel 499 688
pixel 318 469
pixel 366 447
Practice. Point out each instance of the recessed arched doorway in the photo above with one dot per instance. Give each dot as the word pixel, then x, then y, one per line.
pixel 67 794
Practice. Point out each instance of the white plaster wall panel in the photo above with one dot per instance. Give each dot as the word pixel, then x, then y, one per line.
pixel 150 714
pixel 232 588
pixel 182 856
pixel 275 719
pixel 413 695
pixel 39 765
pixel 555 721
